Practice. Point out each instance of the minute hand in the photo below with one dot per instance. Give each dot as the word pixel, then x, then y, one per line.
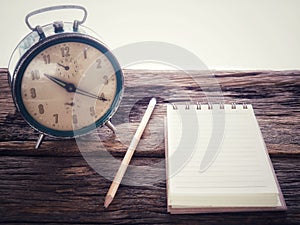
pixel 85 93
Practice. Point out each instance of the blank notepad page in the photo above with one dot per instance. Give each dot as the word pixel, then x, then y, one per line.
pixel 217 158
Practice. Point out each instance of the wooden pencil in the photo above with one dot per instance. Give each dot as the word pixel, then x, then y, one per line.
pixel 126 160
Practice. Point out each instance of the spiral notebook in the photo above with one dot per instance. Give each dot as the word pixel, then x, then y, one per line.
pixel 217 161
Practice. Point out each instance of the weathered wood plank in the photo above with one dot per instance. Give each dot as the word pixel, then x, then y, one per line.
pixel 66 190
pixel 275 97
pixel 56 185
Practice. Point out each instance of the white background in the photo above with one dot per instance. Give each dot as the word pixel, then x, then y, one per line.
pixel 228 34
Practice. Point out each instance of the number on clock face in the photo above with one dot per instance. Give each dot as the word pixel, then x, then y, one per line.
pixel 68 86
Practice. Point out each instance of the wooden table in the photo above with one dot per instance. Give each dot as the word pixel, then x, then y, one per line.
pixel 55 184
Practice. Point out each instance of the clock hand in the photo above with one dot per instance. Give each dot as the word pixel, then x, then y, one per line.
pixel 56 80
pixel 85 93
pixel 70 103
pixel 71 88
pixel 65 67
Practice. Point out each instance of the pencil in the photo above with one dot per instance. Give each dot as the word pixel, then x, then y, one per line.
pixel 126 160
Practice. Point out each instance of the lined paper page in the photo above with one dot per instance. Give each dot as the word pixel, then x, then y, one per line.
pixel 229 144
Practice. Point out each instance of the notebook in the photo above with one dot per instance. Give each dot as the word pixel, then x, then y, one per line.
pixel 217 161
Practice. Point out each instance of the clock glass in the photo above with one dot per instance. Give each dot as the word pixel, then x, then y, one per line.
pixel 68 85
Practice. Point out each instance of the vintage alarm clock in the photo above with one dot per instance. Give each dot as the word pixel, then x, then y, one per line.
pixel 64 81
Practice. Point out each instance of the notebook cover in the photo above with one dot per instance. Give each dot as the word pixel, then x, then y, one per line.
pixel 176 210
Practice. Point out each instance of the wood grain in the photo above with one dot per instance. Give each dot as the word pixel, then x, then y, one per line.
pixel 65 190
pixel 55 184
pixel 274 96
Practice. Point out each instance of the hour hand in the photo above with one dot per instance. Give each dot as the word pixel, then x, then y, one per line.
pixel 69 87
pixel 56 80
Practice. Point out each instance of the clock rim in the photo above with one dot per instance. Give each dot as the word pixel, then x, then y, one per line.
pixel 41 46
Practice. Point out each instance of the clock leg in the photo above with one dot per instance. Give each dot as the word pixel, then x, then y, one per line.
pixel 110 126
pixel 39 141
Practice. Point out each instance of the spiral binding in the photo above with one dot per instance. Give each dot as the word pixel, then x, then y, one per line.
pixel 174 105
pixel 233 105
pixel 210 106
pixel 187 106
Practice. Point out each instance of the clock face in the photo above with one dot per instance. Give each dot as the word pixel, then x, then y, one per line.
pixel 68 85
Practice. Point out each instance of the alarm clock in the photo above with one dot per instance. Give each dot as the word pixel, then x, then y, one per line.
pixel 65 82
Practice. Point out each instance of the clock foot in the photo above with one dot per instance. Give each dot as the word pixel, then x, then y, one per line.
pixel 111 126
pixel 39 141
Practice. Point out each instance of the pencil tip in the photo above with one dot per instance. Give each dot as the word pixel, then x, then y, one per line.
pixel 108 200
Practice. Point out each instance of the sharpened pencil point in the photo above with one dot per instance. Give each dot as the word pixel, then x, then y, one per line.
pixel 108 200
